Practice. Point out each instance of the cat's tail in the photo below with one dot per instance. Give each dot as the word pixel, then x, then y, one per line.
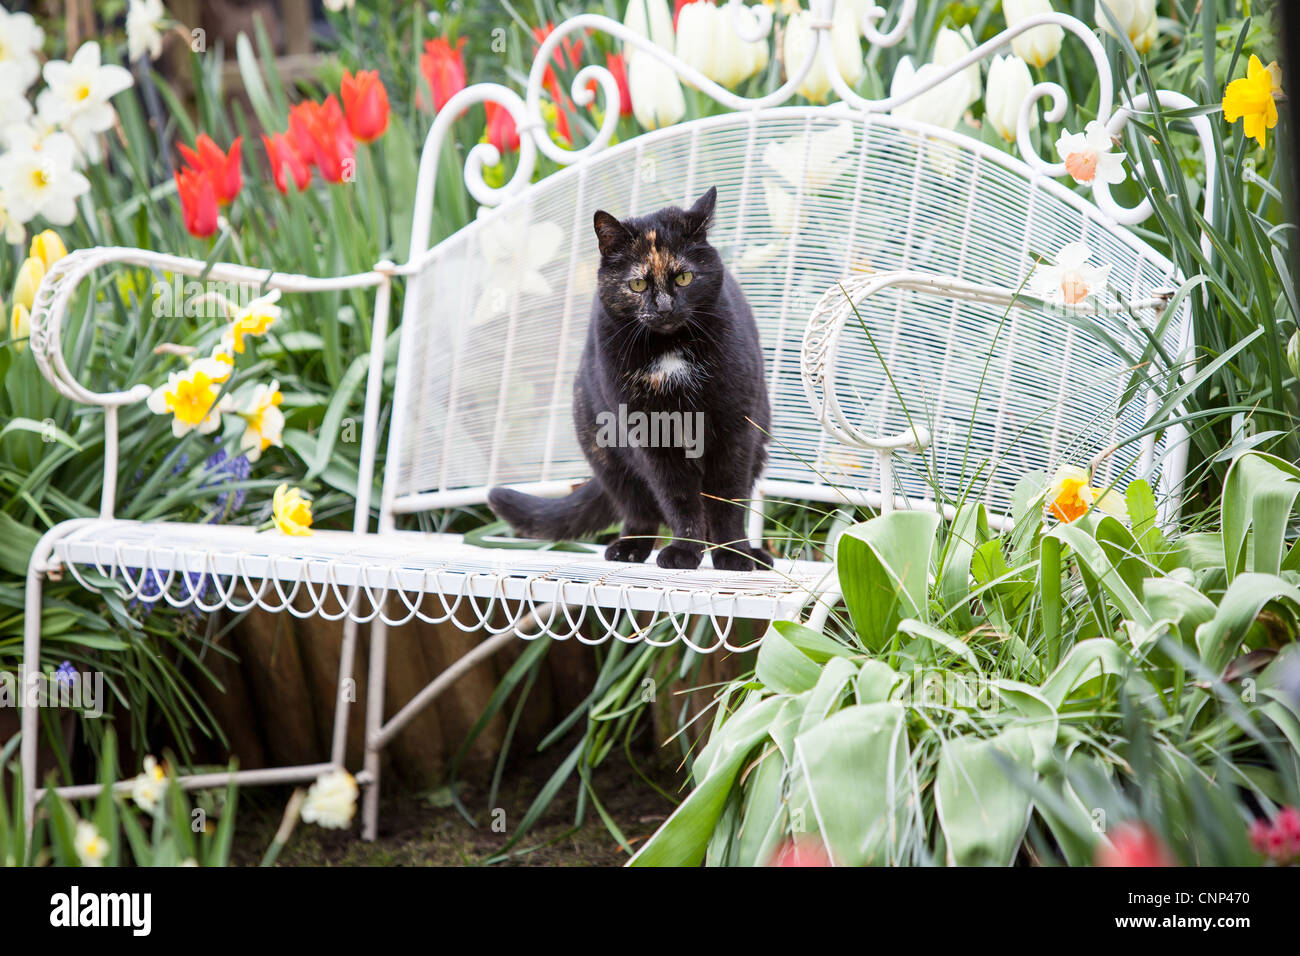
pixel 583 511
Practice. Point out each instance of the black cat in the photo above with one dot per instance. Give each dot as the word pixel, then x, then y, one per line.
pixel 670 402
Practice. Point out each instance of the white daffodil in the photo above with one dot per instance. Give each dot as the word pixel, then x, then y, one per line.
pixel 941 105
pixel 90 846
pixel 331 801
pixel 1008 87
pixel 651 19
pixel 14 107
pixel 216 366
pixel 1069 280
pixel 191 398
pixel 77 96
pixel 707 40
pixel 337 6
pixel 263 421
pixel 21 39
pixel 949 47
pixel 1041 44
pixel 514 252
pixel 148 787
pixel 1088 156
pixel 43 182
pixel 1137 18
pixel 143 29
pixel 800 38
pixel 11 230
pixel 811 162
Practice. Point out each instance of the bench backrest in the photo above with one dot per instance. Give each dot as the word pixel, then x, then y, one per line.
pixel 808 196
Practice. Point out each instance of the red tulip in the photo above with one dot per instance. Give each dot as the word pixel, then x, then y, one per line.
pixel 283 154
pixel 567 55
pixel 365 102
pixel 1134 845
pixel 501 131
pixel 198 201
pixel 222 168
pixel 443 67
pixel 801 853
pixel 617 66
pixel 318 130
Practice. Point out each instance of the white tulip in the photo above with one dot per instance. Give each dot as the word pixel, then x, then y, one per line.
pixel 42 182
pixel 1039 45
pixel 1137 18
pixel 845 45
pixel 651 19
pixel 707 40
pixel 1008 86
pixel 143 36
pixel 949 47
pixel 78 93
pixel 337 6
pixel 657 98
pixel 941 105
pixel 20 46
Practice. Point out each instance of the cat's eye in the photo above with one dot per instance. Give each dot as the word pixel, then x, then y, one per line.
pixel 637 285
pixel 684 278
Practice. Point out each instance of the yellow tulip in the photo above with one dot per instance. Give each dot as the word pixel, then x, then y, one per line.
pixel 30 274
pixel 48 247
pixel 20 326
pixel 1251 98
pixel 291 511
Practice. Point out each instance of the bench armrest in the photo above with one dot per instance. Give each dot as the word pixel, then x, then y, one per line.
pixel 836 309
pixel 54 297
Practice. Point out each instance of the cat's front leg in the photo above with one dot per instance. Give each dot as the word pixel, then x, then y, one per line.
pixel 680 501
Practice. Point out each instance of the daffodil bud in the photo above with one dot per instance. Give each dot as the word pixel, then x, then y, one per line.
pixel 20 326
pixel 1038 46
pixel 1008 86
pixel 1293 354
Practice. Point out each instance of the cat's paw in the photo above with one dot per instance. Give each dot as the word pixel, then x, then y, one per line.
pixel 632 550
pixel 741 558
pixel 679 557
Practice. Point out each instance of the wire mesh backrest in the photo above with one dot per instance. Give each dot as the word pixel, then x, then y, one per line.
pixel 807 197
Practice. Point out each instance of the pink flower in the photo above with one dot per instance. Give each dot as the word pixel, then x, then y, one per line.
pixel 1134 844
pixel 801 853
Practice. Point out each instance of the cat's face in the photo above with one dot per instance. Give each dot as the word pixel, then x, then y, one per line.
pixel 659 270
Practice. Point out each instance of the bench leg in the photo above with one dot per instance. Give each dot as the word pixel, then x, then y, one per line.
pixel 345 693
pixel 374 724
pixel 29 697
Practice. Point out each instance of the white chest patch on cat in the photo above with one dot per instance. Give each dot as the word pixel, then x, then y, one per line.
pixel 671 370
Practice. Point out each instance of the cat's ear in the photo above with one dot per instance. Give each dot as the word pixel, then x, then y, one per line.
pixel 700 215
pixel 611 235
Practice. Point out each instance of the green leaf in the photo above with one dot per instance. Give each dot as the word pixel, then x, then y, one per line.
pixel 982 811
pixel 858 775
pixel 883 566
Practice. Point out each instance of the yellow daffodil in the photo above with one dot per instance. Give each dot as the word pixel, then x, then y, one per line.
pixel 192 398
pixel 253 319
pixel 1252 99
pixel 90 846
pixel 264 421
pixel 48 247
pixel 291 511
pixel 1071 495
pixel 217 366
pixel 30 274
pixel 20 326
pixel 147 788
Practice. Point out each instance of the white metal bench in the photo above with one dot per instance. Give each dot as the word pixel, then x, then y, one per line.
pixel 928 232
